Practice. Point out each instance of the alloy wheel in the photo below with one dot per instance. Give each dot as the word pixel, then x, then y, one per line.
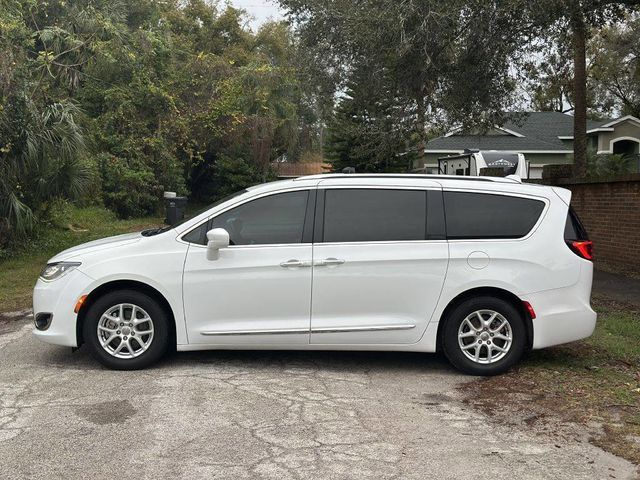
pixel 485 336
pixel 125 331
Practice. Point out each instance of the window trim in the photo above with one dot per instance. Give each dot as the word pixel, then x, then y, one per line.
pixel 307 229
pixel 314 215
pixel 535 226
pixel 320 214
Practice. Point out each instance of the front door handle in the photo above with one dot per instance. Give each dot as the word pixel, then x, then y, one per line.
pixel 330 261
pixel 294 262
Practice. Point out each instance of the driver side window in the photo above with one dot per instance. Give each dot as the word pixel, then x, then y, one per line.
pixel 268 220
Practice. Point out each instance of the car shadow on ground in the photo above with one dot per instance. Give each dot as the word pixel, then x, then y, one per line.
pixel 269 360
pixel 329 360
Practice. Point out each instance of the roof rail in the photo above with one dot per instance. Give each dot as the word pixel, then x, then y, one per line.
pixel 508 179
pixel 515 178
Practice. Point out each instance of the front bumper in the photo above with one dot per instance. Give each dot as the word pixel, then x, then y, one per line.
pixel 58 298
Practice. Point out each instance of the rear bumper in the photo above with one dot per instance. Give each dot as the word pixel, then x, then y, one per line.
pixel 58 298
pixel 563 315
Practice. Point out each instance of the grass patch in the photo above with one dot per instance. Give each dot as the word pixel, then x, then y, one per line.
pixel 594 382
pixel 21 266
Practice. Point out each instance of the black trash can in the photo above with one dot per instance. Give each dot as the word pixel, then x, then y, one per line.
pixel 175 207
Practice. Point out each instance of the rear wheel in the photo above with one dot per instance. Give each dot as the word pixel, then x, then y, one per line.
pixel 126 330
pixel 484 336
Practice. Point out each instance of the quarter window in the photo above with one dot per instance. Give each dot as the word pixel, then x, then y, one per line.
pixel 481 215
pixel 374 215
pixel 197 235
pixel 574 230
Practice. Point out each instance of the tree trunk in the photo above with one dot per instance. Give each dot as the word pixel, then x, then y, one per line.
pixel 421 120
pixel 579 94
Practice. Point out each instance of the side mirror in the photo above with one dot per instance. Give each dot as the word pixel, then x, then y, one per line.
pixel 217 238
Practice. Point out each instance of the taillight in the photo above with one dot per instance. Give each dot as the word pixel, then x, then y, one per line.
pixel 582 248
pixel 529 309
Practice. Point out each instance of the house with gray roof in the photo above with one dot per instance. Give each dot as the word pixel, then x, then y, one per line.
pixel 543 137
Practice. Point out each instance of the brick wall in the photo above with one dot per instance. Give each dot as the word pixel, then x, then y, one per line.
pixel 610 211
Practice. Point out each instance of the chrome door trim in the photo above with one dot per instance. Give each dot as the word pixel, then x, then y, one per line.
pixel 275 331
pixel 373 328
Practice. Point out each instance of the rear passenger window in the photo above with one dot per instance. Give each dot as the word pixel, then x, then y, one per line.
pixel 481 215
pixel 373 215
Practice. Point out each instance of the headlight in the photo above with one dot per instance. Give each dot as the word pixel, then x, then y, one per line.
pixel 53 271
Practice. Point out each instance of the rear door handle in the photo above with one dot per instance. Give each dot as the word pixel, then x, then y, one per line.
pixel 294 262
pixel 330 261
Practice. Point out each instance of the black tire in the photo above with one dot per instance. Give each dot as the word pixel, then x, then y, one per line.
pixel 454 352
pixel 158 345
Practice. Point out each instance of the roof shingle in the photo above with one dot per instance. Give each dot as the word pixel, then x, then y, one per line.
pixel 539 130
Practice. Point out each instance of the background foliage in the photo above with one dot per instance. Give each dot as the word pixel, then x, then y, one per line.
pixel 111 102
pixel 115 101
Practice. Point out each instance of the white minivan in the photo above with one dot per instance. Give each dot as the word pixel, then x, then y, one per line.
pixel 482 269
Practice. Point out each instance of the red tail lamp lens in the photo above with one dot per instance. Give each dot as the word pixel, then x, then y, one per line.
pixel 583 248
pixel 529 309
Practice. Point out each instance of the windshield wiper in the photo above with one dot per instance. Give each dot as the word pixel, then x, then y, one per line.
pixel 154 231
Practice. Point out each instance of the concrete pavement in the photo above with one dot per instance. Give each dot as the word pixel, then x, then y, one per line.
pixel 265 415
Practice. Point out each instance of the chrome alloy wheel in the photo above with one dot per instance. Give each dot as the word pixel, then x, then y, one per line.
pixel 125 331
pixel 485 336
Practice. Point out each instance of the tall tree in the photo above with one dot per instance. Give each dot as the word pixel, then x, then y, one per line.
pixel 42 144
pixel 369 130
pixel 580 17
pixel 547 76
pixel 615 71
pixel 449 59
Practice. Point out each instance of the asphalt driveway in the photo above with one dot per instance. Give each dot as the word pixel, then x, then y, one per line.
pixel 262 415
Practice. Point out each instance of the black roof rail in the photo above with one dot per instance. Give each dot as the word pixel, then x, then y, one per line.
pixel 408 175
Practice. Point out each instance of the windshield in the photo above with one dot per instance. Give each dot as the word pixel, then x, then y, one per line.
pixel 156 231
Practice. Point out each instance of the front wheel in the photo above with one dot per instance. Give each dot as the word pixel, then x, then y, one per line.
pixel 484 336
pixel 126 330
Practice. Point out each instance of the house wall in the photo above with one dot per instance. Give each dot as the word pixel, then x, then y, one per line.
pixel 431 159
pixel 548 158
pixel 610 211
pixel 626 129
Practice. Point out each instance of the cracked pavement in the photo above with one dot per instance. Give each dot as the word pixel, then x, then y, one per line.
pixel 280 415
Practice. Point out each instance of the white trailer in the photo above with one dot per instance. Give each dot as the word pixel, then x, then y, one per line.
pixel 472 161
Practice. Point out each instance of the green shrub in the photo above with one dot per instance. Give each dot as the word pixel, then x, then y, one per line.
pixel 129 187
pixel 59 213
pixel 608 165
pixel 233 174
pixel 224 176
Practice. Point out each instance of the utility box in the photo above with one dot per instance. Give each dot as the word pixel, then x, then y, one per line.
pixel 175 207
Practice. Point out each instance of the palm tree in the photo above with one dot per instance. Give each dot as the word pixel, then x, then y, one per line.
pixel 43 159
